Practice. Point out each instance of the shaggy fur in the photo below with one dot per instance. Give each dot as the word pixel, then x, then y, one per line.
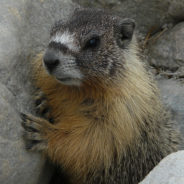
pixel 110 130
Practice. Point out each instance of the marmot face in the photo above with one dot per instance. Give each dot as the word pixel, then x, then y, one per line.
pixel 89 47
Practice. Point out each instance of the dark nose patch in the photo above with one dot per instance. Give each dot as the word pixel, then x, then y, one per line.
pixel 58 46
pixel 51 60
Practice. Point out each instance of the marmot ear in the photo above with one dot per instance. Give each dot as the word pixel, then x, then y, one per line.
pixel 124 31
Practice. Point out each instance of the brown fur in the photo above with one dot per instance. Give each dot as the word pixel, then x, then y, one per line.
pixel 111 129
pixel 89 137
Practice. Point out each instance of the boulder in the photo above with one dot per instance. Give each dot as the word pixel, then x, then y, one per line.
pixel 172 93
pixel 16 164
pixel 24 27
pixel 169 171
pixel 167 52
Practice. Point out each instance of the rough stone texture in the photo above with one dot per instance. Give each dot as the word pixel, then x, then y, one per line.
pixel 149 15
pixel 169 171
pixel 172 93
pixel 175 9
pixel 24 28
pixel 16 165
pixel 167 52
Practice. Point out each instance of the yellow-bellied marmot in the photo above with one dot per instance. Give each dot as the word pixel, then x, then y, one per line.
pixel 109 125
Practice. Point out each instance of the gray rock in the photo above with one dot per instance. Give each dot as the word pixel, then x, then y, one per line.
pixel 175 9
pixel 168 50
pixel 169 171
pixel 149 15
pixel 16 165
pixel 172 93
pixel 24 27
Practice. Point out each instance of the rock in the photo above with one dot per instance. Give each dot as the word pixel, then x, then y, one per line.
pixel 168 50
pixel 169 171
pixel 172 93
pixel 175 9
pixel 16 164
pixel 24 27
pixel 149 15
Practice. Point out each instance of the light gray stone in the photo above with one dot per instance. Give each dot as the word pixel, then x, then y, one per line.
pixel 169 171
pixel 168 50
pixel 24 28
pixel 16 164
pixel 172 93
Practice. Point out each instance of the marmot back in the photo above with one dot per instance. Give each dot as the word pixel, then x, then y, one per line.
pixel 109 124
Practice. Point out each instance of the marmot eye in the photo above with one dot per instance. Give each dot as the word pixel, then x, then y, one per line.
pixel 92 43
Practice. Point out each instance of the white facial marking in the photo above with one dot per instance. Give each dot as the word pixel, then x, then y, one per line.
pixel 66 39
pixel 67 72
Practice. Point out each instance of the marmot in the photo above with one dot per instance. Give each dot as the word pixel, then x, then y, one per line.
pixel 109 124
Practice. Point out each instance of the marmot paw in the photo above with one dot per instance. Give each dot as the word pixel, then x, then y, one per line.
pixel 42 107
pixel 34 133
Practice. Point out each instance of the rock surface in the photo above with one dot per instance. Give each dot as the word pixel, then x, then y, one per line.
pixel 24 28
pixel 172 93
pixel 16 165
pixel 167 52
pixel 169 171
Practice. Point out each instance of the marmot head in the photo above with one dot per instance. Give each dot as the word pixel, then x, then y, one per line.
pixel 90 46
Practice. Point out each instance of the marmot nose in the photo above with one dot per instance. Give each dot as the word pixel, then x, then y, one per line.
pixel 51 60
